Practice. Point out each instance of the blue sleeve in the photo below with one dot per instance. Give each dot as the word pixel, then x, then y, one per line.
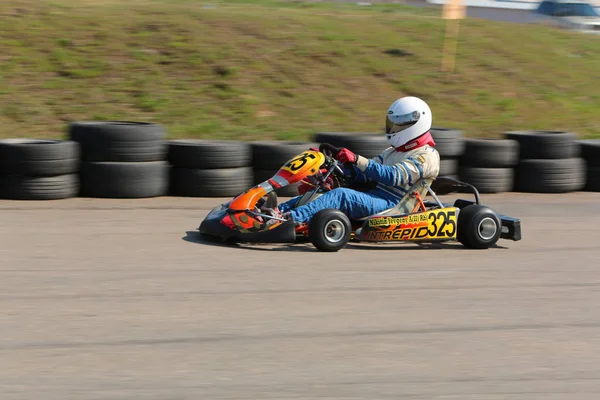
pixel 395 175
pixel 359 175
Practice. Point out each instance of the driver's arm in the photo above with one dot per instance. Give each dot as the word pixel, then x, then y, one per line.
pixel 424 164
pixel 359 175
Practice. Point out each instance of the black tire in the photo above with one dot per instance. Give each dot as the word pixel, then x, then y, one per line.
pixel 449 143
pixel 329 230
pixel 288 191
pixel 366 144
pixel 448 166
pixel 37 157
pixel 490 153
pixel 224 182
pixel 117 141
pixel 209 154
pixel 550 176
pixel 545 145
pixel 590 151
pixel 593 179
pixel 479 227
pixel 124 180
pixel 272 154
pixel 488 180
pixel 19 187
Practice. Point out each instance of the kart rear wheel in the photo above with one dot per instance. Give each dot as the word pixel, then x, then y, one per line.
pixel 479 227
pixel 329 230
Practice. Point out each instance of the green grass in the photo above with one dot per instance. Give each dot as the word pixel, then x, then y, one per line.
pixel 276 69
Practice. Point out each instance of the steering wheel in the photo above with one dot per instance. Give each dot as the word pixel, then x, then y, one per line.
pixel 330 159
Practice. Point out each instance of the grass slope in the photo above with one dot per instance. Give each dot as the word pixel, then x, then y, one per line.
pixel 254 69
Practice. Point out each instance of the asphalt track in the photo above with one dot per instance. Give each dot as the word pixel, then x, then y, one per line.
pixel 114 299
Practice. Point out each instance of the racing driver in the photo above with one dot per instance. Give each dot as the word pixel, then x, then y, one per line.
pixel 411 157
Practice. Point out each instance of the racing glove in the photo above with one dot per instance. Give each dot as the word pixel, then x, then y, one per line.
pixel 345 156
pixel 341 154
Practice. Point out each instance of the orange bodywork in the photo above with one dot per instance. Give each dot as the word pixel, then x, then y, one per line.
pixel 248 199
pixel 301 166
pixel 293 171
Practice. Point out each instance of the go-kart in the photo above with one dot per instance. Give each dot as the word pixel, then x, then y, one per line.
pixel 413 219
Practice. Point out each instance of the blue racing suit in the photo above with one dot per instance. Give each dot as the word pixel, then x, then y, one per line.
pixel 394 171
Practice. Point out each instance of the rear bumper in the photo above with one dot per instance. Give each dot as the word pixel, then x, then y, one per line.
pixel 511 228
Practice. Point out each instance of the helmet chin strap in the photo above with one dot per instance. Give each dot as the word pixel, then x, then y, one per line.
pixel 424 139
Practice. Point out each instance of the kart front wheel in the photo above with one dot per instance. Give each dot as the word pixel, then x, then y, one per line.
pixel 329 230
pixel 479 227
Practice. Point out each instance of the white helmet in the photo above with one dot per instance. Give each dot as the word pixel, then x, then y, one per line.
pixel 407 119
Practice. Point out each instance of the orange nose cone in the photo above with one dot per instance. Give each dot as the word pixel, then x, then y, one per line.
pixel 296 169
pixel 248 199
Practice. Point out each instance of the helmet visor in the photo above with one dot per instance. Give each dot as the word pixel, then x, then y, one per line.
pixel 397 123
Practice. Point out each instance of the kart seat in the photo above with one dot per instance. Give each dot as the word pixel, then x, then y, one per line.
pixel 408 202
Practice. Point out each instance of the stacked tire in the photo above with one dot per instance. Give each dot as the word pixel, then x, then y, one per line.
pixel 488 164
pixel 268 156
pixel 549 162
pixel 450 143
pixel 121 159
pixel 366 144
pixel 33 169
pixel 209 168
pixel 590 152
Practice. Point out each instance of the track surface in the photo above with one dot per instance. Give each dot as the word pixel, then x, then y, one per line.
pixel 111 299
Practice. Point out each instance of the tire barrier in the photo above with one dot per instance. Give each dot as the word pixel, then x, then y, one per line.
pixel 124 180
pixel 490 153
pixel 545 145
pixel 116 141
pixel 121 159
pixel 269 155
pixel 209 154
pixel 548 162
pixel 32 169
pixel 113 159
pixel 488 164
pixel 209 168
pixel 450 144
pixel 550 176
pixel 488 180
pixel 23 187
pixel 590 152
pixel 222 182
pixel 449 166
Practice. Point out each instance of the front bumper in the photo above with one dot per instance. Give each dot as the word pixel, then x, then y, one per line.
pixel 212 226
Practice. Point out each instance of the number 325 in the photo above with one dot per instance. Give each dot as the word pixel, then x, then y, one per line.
pixel 443 224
